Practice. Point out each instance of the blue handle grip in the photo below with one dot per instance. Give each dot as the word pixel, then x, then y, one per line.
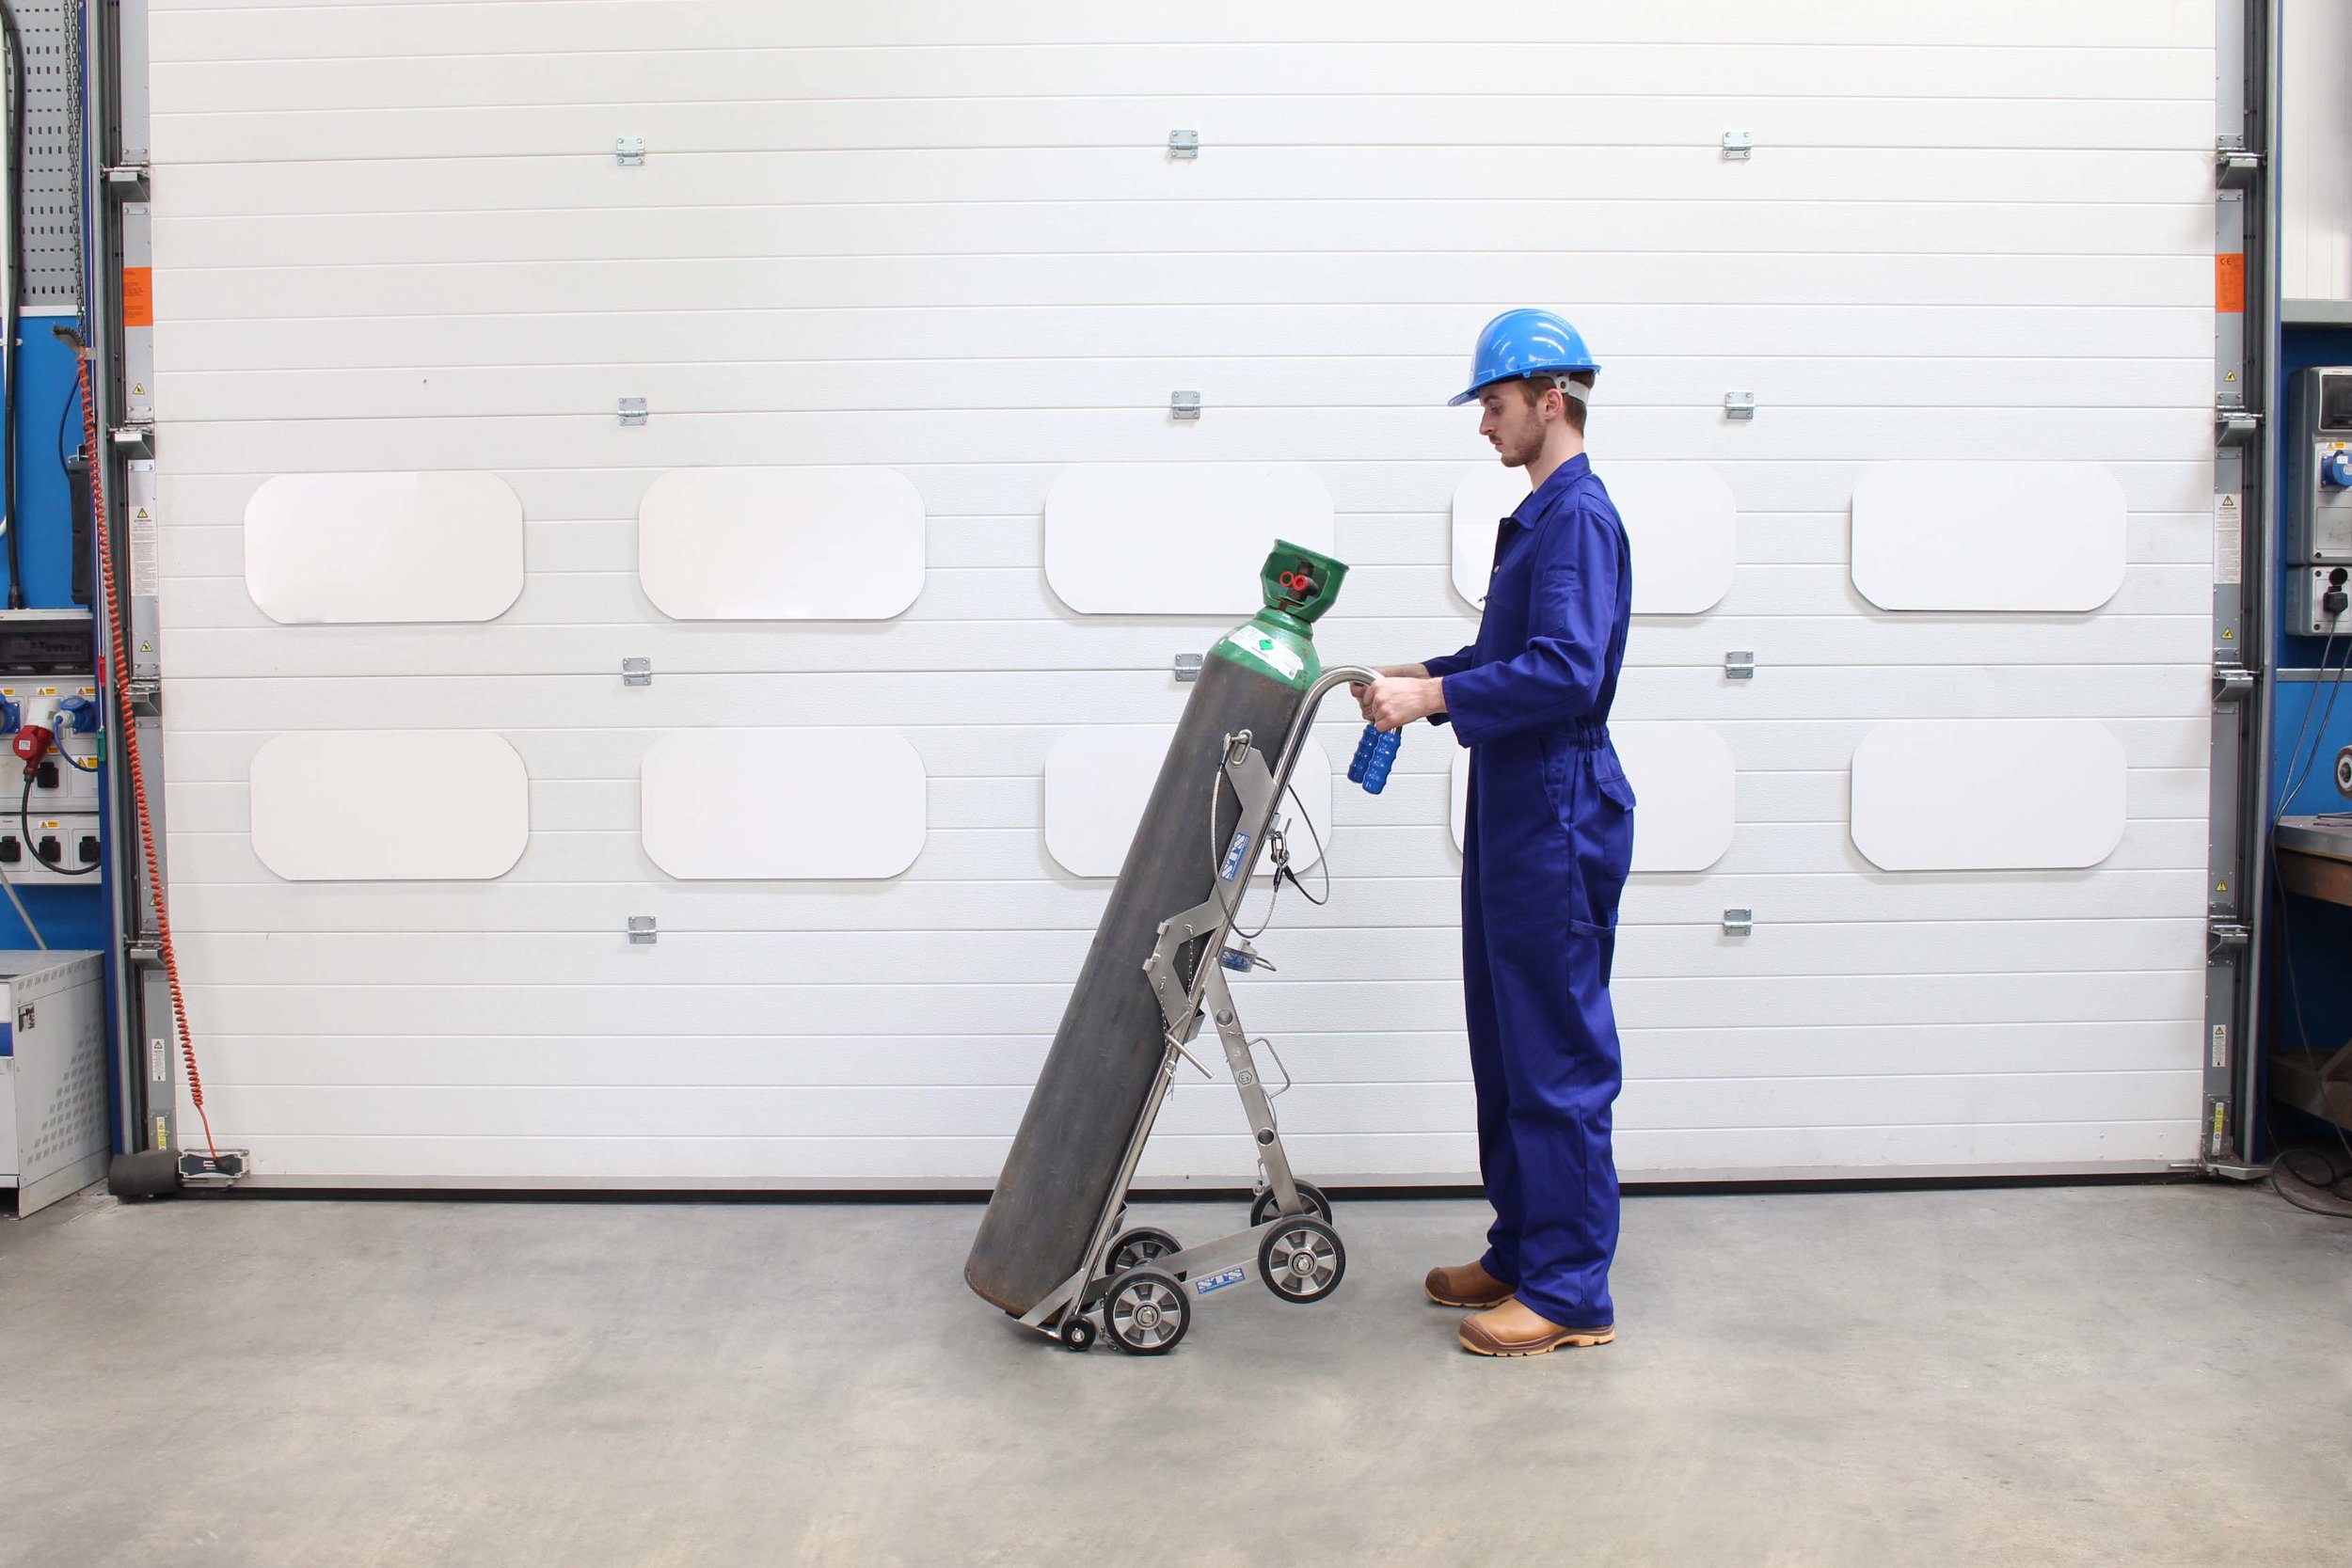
pixel 1375 754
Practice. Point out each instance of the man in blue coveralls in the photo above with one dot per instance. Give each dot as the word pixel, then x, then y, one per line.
pixel 1547 841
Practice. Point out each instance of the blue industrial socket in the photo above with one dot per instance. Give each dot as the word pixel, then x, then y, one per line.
pixel 1375 754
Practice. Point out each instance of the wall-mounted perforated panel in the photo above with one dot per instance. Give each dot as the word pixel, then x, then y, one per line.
pixel 53 154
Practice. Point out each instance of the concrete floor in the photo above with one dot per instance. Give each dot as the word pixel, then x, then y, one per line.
pixel 2122 1374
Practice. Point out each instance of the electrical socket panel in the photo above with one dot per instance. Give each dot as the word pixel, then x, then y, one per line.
pixel 74 835
pixel 2308 588
pixel 60 785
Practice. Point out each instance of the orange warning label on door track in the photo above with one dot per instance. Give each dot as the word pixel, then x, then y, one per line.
pixel 138 296
pixel 2229 284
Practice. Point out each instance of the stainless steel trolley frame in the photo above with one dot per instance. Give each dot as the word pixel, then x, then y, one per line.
pixel 1144 1282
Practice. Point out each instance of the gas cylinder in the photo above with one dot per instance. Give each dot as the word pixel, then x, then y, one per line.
pixel 1099 1074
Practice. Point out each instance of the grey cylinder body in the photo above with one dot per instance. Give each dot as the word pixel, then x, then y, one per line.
pixel 1065 1160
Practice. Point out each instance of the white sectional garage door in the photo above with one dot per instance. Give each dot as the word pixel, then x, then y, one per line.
pixel 914 250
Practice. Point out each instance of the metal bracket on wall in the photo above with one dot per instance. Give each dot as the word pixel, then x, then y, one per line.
pixel 2234 170
pixel 1184 144
pixel 128 182
pixel 1738 405
pixel 147 697
pixel 628 152
pixel 644 931
pixel 1188 667
pixel 1183 405
pixel 1739 922
pixel 637 672
pixel 1739 146
pixel 2235 427
pixel 2231 683
pixel 1740 666
pixel 633 412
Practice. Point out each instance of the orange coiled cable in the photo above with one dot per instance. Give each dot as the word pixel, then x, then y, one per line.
pixel 127 736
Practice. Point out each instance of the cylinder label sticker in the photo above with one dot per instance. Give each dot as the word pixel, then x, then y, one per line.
pixel 1233 853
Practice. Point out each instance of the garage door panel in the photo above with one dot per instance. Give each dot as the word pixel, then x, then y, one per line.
pixel 949 242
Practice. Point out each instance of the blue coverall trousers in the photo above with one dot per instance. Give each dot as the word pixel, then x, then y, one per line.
pixel 1539 914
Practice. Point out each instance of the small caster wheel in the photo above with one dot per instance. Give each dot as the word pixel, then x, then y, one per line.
pixel 1076 1331
pixel 1263 1207
pixel 1132 1249
pixel 1301 1259
pixel 1145 1312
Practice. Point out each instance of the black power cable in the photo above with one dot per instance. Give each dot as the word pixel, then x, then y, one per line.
pixel 11 308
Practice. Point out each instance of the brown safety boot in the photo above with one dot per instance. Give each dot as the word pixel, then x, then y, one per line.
pixel 1465 1285
pixel 1515 1328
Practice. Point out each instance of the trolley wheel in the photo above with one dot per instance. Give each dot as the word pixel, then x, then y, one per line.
pixel 1262 1208
pixel 1301 1259
pixel 1076 1331
pixel 1145 1312
pixel 1132 1249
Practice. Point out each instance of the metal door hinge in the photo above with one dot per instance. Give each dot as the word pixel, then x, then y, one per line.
pixel 633 412
pixel 637 672
pixel 1183 405
pixel 628 152
pixel 644 931
pixel 2231 683
pixel 1739 922
pixel 1738 405
pixel 1739 146
pixel 1740 666
pixel 1184 144
pixel 128 181
pixel 1188 667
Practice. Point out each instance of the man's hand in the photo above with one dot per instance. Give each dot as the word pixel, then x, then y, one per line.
pixel 1393 702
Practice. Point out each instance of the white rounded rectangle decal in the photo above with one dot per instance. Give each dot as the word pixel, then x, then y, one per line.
pixel 1176 538
pixel 785 543
pixel 785 805
pixel 389 806
pixel 1098 782
pixel 336 549
pixel 1685 787
pixel 1988 536
pixel 1988 795
pixel 1680 523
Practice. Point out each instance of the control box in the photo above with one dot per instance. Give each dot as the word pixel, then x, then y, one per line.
pixel 2319 451
pixel 55 1130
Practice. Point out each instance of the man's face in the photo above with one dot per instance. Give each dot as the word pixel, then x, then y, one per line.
pixel 1512 422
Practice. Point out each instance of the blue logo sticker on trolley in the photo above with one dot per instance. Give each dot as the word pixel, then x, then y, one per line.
pixel 1233 853
pixel 1219 1281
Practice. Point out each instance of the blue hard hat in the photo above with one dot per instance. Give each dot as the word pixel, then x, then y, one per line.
pixel 1521 344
